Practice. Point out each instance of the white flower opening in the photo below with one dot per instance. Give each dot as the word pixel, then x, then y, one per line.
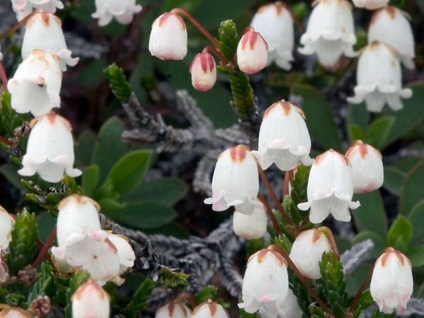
pixel 23 8
pixel 122 10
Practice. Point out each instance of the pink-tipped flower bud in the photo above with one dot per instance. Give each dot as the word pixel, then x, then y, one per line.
pixel 173 310
pixel 6 226
pixel 307 250
pixel 209 309
pixel 203 72
pixel 252 52
pixel 392 282
pixel 367 167
pixel 90 300
pixel 168 38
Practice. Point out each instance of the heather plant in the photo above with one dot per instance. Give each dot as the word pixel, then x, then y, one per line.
pixel 211 159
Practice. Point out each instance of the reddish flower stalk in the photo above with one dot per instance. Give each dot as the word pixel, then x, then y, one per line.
pixel 45 249
pixel 270 214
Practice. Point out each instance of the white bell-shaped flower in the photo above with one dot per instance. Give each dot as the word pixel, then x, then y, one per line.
pixel 168 38
pixel 330 32
pixel 251 226
pixel 252 52
pixel 307 250
pixel 391 26
pixel 44 32
pixel 265 283
pixel 283 137
pixel 367 167
pixel 6 226
pixel 392 282
pixel 275 23
pixel 370 4
pixel 90 300
pixel 209 309
pixel 125 251
pixel 15 312
pixel 23 8
pixel 289 308
pixel 173 310
pixel 122 10
pixel 382 87
pixel 330 188
pixel 50 149
pixel 35 87
pixel 235 181
pixel 203 72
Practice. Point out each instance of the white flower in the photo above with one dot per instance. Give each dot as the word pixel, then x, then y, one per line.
pixel 168 38
pixel 122 10
pixel 50 149
pixel 15 312
pixel 265 283
pixel 235 181
pixel 44 32
pixel 330 188
pixel 283 137
pixel 35 87
pixel 289 308
pixel 90 300
pixel 125 251
pixel 391 26
pixel 173 310
pixel 275 23
pixel 307 250
pixel 203 72
pixel 250 226
pixel 23 8
pixel 367 167
pixel 392 282
pixel 370 4
pixel 330 32
pixel 209 309
pixel 384 86
pixel 6 227
pixel 252 52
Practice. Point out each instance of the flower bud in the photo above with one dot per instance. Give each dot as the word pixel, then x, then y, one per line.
pixel 283 137
pixel 275 24
pixel 50 149
pixel 235 181
pixel 203 72
pixel 391 282
pixel 122 10
pixel 370 4
pixel 209 309
pixel 15 312
pixel 6 227
pixel 23 8
pixel 330 32
pixel 382 87
pixel 44 32
pixel 252 52
pixel 173 310
pixel 168 38
pixel 90 300
pixel 330 188
pixel 367 167
pixel 250 226
pixel 307 250
pixel 35 87
pixel 391 26
pixel 265 283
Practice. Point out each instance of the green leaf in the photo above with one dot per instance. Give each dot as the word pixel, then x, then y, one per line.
pixel 410 117
pixel 84 148
pixel 393 179
pixel 379 243
pixel 319 116
pixel 400 233
pixel 416 218
pixel 416 256
pixel 228 38
pixel 208 292
pixel 22 248
pixel 143 215
pixel 109 148
pixel 355 132
pixel 364 302
pixel 130 170
pixel 139 299
pixel 412 191
pixel 172 279
pixel 10 172
pixel 109 204
pixel 44 283
pixel 90 179
pixel 118 83
pixel 370 216
pixel 45 224
pixel 378 131
pixel 358 115
pixel 300 184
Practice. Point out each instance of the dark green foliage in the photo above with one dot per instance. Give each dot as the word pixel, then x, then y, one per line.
pixel 364 302
pixel 22 248
pixel 118 82
pixel 228 38
pixel 303 298
pixel 138 300
pixel 171 278
pixel 208 292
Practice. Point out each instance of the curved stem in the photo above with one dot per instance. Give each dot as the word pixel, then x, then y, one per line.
pixel 218 54
pixel 11 30
pixel 3 76
pixel 45 249
pixel 270 214
pixel 358 294
pixel 302 278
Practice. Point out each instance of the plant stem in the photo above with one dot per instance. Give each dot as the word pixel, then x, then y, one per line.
pixel 270 214
pixel 299 275
pixel 45 249
pixel 11 30
pixel 358 294
pixel 3 76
